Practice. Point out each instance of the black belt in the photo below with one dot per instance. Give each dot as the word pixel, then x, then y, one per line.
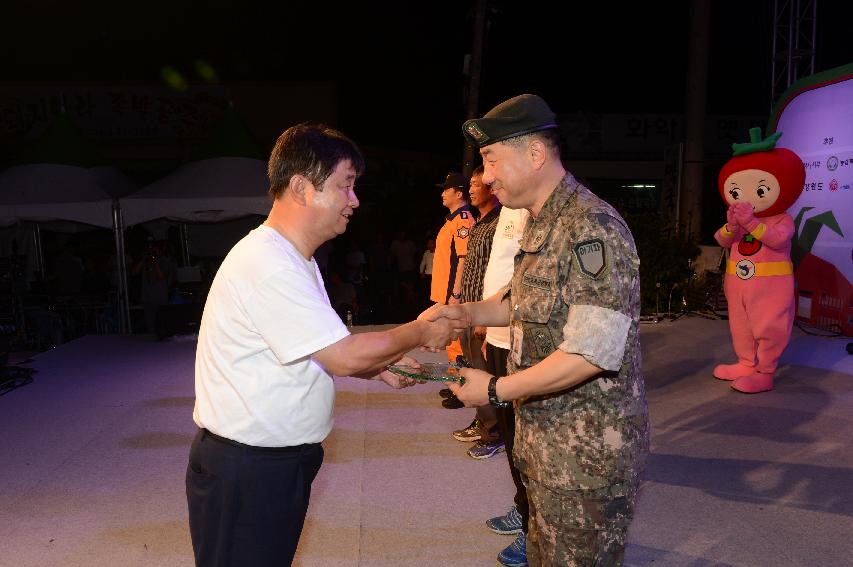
pixel 231 442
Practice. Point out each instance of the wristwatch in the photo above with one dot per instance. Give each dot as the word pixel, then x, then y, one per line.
pixel 493 394
pixel 456 295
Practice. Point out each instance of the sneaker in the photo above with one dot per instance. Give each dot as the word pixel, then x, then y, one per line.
pixel 515 554
pixel 470 433
pixel 445 393
pixel 485 449
pixel 508 524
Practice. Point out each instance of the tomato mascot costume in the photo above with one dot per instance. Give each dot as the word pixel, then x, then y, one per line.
pixel 759 184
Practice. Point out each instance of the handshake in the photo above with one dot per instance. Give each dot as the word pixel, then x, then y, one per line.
pixel 741 214
pixel 436 328
pixel 439 326
pixel 442 325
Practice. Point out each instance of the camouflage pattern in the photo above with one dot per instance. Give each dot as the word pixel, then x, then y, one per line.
pixel 594 436
pixel 583 529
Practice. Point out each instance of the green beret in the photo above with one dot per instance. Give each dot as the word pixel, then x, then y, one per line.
pixel 515 117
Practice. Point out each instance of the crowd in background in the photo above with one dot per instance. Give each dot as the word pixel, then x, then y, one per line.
pixel 377 278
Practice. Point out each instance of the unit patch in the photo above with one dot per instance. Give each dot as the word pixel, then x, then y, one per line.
pixel 462 232
pixel 591 257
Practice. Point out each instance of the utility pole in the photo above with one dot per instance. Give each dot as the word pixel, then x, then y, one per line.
pixel 690 200
pixel 475 62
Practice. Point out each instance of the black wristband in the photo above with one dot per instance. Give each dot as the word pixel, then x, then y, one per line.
pixel 493 394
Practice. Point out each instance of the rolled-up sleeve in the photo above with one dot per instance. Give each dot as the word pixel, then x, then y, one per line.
pixel 598 334
pixel 603 277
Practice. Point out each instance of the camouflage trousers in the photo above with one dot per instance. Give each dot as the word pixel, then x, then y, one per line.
pixel 584 528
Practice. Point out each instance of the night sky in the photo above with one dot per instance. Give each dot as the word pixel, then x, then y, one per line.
pixel 398 65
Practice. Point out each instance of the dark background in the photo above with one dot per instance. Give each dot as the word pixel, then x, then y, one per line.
pixel 399 65
pixel 398 71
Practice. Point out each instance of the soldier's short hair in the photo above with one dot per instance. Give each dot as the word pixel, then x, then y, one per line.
pixel 550 137
pixel 312 150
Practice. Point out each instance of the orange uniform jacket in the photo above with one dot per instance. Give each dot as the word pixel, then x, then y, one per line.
pixel 450 245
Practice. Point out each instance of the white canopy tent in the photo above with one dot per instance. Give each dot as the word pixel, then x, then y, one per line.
pixel 203 192
pixel 44 193
pixel 210 190
pixel 48 192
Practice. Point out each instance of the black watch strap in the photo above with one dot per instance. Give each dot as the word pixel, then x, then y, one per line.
pixel 493 394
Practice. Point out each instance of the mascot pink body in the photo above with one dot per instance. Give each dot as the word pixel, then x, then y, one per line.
pixel 759 184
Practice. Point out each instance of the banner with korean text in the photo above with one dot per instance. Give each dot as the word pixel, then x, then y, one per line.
pixel 816 118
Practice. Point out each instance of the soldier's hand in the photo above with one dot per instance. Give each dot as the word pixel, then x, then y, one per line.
pixel 475 391
pixel 430 313
pixel 456 312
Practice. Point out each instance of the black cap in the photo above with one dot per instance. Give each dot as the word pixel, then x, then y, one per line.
pixel 454 179
pixel 515 117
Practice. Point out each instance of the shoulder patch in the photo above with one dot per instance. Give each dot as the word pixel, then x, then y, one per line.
pixel 462 232
pixel 591 257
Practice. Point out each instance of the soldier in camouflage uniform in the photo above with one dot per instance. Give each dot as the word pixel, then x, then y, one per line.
pixel 573 305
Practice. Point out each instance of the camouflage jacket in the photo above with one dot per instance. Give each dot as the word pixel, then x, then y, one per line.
pixel 576 287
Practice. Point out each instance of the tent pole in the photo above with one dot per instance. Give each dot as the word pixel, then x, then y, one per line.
pixel 121 270
pixel 185 244
pixel 39 252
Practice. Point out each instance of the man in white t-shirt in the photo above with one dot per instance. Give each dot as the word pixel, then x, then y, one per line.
pixel 269 347
pixel 505 246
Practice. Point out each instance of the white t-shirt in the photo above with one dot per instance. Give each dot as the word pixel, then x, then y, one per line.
pixel 501 263
pixel 266 314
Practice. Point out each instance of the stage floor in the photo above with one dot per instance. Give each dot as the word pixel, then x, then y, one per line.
pixel 93 455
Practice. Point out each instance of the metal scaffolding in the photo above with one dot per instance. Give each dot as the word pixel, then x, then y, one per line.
pixel 794 42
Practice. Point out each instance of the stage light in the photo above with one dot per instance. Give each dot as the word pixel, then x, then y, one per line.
pixel 206 71
pixel 173 78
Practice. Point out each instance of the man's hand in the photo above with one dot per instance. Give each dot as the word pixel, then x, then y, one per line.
pixel 395 380
pixel 439 333
pixel 456 313
pixel 480 332
pixel 453 301
pixel 443 315
pixel 475 392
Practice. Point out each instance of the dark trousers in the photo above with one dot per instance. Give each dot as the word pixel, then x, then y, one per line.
pixel 473 353
pixel 247 504
pixel 496 362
